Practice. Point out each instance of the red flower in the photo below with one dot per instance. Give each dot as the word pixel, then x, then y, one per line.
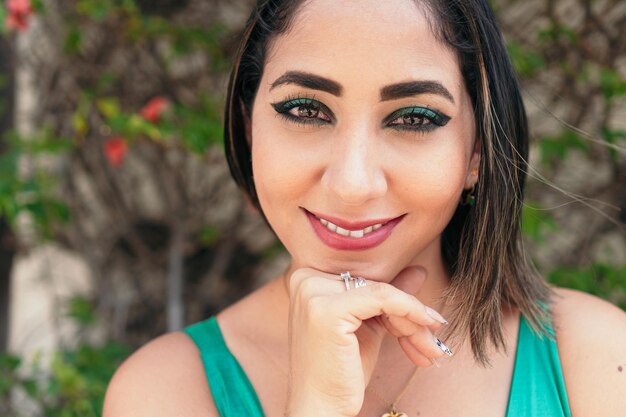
pixel 154 109
pixel 115 149
pixel 18 14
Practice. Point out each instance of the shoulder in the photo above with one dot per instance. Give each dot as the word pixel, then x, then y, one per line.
pixel 163 378
pixel 591 337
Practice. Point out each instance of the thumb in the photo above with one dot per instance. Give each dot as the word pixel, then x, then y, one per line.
pixel 410 279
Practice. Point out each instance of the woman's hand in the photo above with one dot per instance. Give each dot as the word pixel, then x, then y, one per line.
pixel 335 337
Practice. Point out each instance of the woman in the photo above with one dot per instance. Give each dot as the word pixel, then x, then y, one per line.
pixel 385 142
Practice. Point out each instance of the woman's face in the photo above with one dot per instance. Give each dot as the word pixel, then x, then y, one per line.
pixel 361 127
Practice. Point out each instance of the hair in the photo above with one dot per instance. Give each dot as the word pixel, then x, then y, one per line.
pixel 482 244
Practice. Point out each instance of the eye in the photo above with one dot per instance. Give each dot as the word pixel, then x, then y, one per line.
pixel 421 119
pixel 303 110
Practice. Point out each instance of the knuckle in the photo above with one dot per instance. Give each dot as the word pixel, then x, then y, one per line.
pixel 306 287
pixel 316 308
pixel 300 283
pixel 381 291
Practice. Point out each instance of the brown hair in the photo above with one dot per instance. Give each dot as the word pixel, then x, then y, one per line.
pixel 482 244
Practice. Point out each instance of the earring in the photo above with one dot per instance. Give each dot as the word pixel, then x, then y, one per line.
pixel 470 198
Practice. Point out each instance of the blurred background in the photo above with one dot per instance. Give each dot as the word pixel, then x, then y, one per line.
pixel 118 217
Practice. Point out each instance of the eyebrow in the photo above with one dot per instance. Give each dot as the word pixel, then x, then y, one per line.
pixel 389 92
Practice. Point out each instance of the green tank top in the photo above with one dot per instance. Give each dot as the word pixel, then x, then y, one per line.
pixel 537 387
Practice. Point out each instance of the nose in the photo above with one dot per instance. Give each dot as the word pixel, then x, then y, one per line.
pixel 354 173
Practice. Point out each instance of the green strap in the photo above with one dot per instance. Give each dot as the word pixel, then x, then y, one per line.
pixel 233 394
pixel 537 387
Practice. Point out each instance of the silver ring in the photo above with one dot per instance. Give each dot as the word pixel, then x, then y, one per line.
pixel 360 282
pixel 345 276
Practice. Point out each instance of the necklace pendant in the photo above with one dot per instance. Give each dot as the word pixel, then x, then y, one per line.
pixel 394 413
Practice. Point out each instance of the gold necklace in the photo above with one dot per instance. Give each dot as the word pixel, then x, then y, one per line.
pixel 393 412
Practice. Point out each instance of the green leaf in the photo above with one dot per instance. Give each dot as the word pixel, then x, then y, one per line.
pixel 98 10
pixel 73 40
pixel 81 310
pixel 79 123
pixel 109 107
pixel 9 363
pixel 537 222
pixel 554 148
pixel 525 61
pixel 612 137
pixel 605 281
pixel 612 83
pixel 208 235
pixel 3 17
pixel 31 387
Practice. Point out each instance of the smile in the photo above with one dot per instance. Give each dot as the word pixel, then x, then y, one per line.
pixel 351 235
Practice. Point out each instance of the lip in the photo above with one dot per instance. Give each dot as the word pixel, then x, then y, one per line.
pixel 340 242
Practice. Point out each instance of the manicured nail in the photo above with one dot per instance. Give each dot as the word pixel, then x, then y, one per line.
pixel 435 362
pixel 443 347
pixel 432 313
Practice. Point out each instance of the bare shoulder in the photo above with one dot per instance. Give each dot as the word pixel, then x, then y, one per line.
pixel 591 336
pixel 163 378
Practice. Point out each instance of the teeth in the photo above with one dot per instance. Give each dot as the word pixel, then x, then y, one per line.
pixel 357 233
pixel 342 232
pixel 352 233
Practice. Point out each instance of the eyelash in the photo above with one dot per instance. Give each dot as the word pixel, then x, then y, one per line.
pixel 434 118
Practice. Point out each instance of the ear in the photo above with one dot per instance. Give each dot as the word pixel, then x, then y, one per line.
pixel 247 122
pixel 474 165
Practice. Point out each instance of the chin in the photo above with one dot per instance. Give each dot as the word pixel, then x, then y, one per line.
pixel 375 270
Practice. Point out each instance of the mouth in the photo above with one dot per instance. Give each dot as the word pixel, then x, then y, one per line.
pixel 351 235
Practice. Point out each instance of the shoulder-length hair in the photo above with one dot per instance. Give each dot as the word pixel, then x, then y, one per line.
pixel 482 244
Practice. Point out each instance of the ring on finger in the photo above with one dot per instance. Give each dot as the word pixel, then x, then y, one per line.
pixel 359 282
pixel 345 276
pixel 348 279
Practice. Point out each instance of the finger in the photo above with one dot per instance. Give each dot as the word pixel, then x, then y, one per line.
pixel 424 341
pixel 413 354
pixel 306 283
pixel 390 327
pixel 381 298
pixel 405 327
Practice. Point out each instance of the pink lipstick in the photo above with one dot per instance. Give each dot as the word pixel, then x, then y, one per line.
pixel 351 235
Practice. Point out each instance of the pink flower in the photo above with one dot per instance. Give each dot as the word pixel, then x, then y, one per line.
pixel 154 109
pixel 18 13
pixel 115 149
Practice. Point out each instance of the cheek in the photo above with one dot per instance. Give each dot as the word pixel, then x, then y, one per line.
pixel 277 167
pixel 434 178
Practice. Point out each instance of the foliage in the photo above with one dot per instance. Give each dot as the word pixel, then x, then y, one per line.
pixel 71 384
pixel 602 280
pixel 575 89
pixel 194 126
pixel 33 191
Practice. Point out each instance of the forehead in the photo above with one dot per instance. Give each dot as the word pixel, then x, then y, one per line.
pixel 364 42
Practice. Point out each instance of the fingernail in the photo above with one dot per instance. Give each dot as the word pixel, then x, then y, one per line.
pixel 443 347
pixel 432 313
pixel 435 362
